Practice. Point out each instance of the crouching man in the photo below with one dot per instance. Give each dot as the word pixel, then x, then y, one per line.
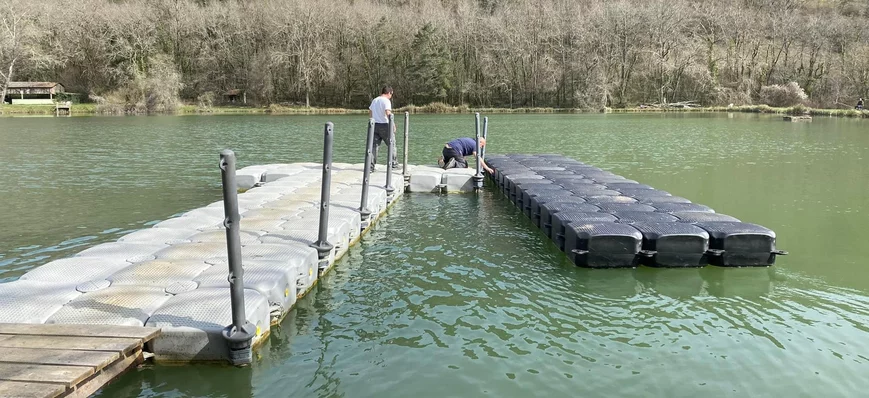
pixel 456 150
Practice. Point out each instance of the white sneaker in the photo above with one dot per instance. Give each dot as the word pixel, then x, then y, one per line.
pixel 451 164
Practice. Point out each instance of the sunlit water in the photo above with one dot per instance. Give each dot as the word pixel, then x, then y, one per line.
pixel 459 295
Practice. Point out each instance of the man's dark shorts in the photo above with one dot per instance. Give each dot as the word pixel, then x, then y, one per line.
pixel 381 132
pixel 450 153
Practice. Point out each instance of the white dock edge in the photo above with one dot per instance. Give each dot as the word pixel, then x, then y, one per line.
pixel 174 275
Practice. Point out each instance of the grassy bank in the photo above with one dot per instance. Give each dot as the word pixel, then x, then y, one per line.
pixel 794 110
pixel 33 110
pixel 435 108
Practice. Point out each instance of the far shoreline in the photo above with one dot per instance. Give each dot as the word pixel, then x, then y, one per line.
pixel 437 108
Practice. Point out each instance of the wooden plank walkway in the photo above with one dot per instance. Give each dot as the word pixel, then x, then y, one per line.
pixel 66 360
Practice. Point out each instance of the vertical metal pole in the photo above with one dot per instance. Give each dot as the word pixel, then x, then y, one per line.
pixel 390 190
pixel 364 211
pixel 240 334
pixel 485 135
pixel 322 244
pixel 406 137
pixel 478 178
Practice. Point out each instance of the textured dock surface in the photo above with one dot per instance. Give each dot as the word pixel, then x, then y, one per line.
pixel 173 276
pixel 47 361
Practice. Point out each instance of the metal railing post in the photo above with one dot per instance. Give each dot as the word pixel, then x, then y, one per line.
pixel 406 138
pixel 322 244
pixel 478 177
pixel 364 211
pixel 390 190
pixel 485 135
pixel 240 334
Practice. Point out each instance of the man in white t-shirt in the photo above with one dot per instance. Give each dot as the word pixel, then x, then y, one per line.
pixel 380 109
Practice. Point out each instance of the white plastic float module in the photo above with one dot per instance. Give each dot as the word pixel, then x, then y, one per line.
pixel 132 252
pixel 276 280
pixel 276 173
pixel 193 324
pixel 33 301
pixel 459 180
pixel 114 305
pixel 159 273
pixel 426 180
pixel 217 235
pixel 75 270
pixel 247 177
pixel 167 236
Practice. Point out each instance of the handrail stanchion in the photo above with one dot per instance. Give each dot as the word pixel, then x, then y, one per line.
pixel 322 244
pixel 390 190
pixel 478 178
pixel 240 334
pixel 485 135
pixel 404 172
pixel 364 211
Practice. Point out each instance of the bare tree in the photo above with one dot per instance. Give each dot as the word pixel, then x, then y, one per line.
pixel 564 53
pixel 16 39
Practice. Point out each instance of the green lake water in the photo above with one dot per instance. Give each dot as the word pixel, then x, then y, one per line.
pixel 458 295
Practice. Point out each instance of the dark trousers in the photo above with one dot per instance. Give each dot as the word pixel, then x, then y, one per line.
pixel 450 153
pixel 381 135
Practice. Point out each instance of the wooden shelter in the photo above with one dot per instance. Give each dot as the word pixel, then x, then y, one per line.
pixel 33 93
pixel 235 95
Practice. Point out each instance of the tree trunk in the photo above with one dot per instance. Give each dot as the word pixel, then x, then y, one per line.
pixel 6 81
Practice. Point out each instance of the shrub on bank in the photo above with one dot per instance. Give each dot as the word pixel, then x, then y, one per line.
pixel 155 90
pixel 782 95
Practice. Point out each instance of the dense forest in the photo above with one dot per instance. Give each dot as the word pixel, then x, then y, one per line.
pixel 501 53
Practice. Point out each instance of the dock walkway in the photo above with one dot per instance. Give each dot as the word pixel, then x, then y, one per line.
pixel 47 361
pixel 173 276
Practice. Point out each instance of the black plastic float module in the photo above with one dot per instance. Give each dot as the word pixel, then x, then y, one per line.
pixel 630 217
pixel 603 245
pixel 702 216
pixel 548 209
pixel 673 244
pixel 603 220
pixel 561 219
pixel 611 199
pixel 659 199
pixel 532 199
pixel 740 244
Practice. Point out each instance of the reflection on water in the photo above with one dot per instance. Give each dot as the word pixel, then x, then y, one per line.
pixel 738 282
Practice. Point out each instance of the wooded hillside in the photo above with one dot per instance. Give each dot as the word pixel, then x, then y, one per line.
pixel 505 53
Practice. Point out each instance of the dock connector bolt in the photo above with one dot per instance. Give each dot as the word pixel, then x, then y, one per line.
pixel 647 253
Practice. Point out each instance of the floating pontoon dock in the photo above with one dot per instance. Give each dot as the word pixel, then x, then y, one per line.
pixel 603 220
pixel 241 262
pixel 214 280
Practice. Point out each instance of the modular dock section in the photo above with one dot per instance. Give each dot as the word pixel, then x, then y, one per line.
pixel 603 220
pixel 173 276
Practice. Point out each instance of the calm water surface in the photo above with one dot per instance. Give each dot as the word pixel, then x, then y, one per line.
pixel 458 295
